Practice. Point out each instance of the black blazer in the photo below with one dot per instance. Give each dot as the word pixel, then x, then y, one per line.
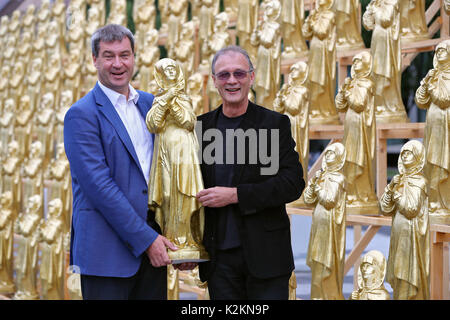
pixel 263 223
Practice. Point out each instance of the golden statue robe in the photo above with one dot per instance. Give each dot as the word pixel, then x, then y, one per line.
pixel 268 61
pixel 11 177
pixel 320 29
pixel 348 26
pixel 413 25
pixel 326 248
pixel 27 228
pixel 434 95
pixel 356 99
pixel 247 21
pixel 292 18
pixel 382 16
pixel 53 253
pixel 32 174
pixel 175 176
pixel 406 200
pixel 293 100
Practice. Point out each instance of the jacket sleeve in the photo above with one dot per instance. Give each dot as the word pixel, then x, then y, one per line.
pixel 285 186
pixel 89 166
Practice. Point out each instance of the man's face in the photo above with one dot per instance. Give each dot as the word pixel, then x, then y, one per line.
pixel 115 64
pixel 232 90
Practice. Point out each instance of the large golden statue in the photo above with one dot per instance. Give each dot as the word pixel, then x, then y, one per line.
pixel 405 199
pixel 11 178
pixel 356 98
pixel 247 22
pixel 382 16
pixel 7 219
pixel 52 233
pixel 326 248
pixel 371 273
pixel 320 29
pixel 434 95
pixel 44 126
pixel 292 18
pixel 293 100
pixel 268 62
pixel 33 174
pixel 194 88
pixel 26 263
pixel 348 26
pixel 183 51
pixel 59 181
pixel 175 174
pixel 413 25
pixel 219 39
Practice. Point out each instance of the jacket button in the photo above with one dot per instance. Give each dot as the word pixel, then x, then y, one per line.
pixel 144 191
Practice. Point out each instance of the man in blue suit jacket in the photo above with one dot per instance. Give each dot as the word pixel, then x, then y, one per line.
pixel 114 243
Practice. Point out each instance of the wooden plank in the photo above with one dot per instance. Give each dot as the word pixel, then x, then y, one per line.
pixel 358 249
pixel 400 130
pixel 325 132
pixel 436 269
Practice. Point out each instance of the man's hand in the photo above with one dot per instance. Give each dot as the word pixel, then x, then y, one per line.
pixel 157 252
pixel 217 197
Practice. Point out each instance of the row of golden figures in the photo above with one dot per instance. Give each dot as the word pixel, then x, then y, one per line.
pixel 405 199
pixel 49 48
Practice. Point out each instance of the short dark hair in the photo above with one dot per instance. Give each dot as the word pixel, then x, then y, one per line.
pixel 110 33
pixel 231 49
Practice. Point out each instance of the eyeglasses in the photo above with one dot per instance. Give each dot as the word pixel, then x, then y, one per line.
pixel 238 75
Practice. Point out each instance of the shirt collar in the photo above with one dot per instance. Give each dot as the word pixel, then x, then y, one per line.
pixel 113 96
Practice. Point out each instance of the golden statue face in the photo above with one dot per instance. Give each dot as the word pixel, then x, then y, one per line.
pixel 170 72
pixel 442 54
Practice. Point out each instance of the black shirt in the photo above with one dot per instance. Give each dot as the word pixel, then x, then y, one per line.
pixel 227 235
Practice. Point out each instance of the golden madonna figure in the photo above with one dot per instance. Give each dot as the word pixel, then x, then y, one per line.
pixel 26 265
pixel 53 253
pixel 371 273
pixel 405 199
pixel 7 219
pixel 326 248
pixel 320 29
pixel 175 174
pixel 382 16
pixel 268 62
pixel 413 25
pixel 356 98
pixel 348 26
pixel 147 58
pixel 183 51
pixel 32 173
pixel 246 23
pixel 194 90
pixel 434 95
pixel 7 119
pixel 293 100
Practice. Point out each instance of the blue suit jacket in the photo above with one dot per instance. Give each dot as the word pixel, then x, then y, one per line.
pixel 109 228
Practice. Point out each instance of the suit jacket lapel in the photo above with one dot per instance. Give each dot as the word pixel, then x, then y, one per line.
pixel 106 107
pixel 143 109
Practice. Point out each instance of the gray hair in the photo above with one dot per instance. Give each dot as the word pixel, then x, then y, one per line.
pixel 231 49
pixel 110 33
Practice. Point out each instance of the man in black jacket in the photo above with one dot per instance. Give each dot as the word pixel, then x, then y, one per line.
pixel 250 171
